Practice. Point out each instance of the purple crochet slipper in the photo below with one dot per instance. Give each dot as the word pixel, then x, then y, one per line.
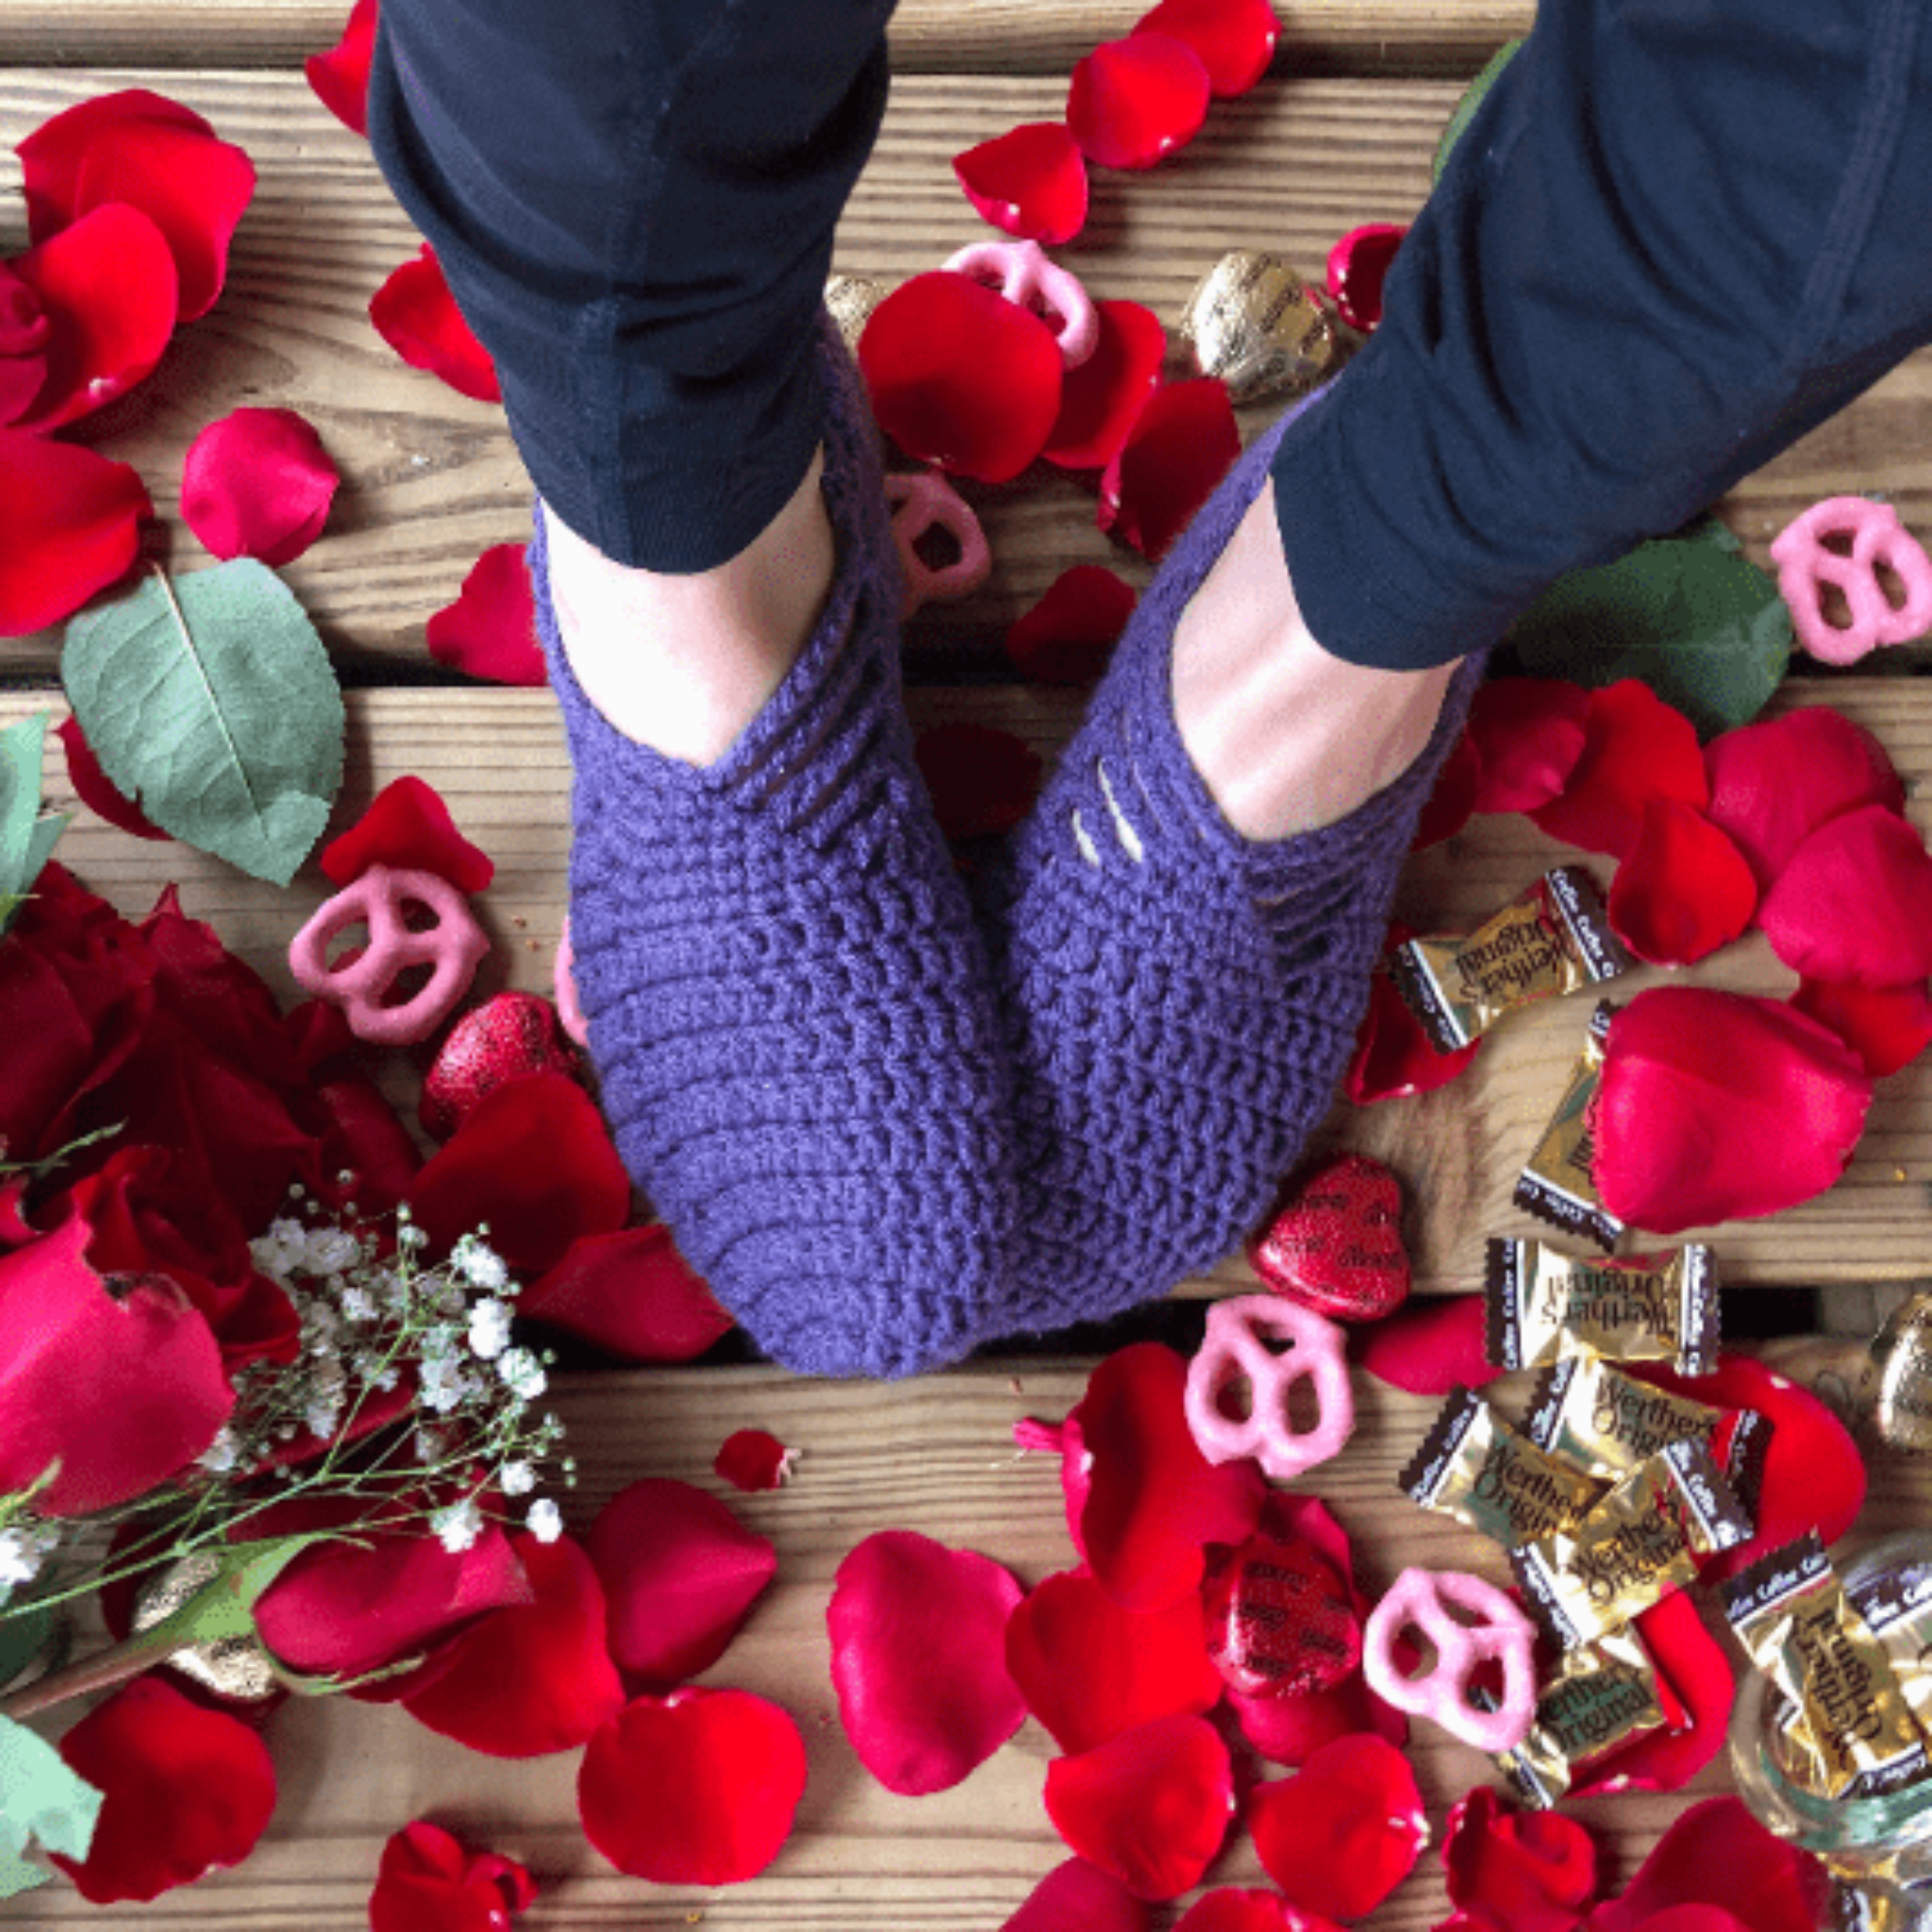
pixel 789 1007
pixel 1180 1002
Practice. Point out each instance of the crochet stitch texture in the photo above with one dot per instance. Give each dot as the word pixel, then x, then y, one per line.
pixel 789 1007
pixel 1180 1002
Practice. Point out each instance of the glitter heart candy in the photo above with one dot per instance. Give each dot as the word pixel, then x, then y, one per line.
pixel 1336 1246
pixel 1279 1620
pixel 508 1036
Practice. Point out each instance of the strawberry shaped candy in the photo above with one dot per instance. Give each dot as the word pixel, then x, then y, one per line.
pixel 1336 1246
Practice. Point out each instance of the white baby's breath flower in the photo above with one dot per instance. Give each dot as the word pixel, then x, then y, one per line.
pixel 221 1456
pixel 358 1305
pixel 522 1374
pixel 516 1478
pixel 488 1329
pixel 457 1525
pixel 331 1251
pixel 20 1557
pixel 444 1383
pixel 432 1446
pixel 281 1249
pixel 480 1264
pixel 545 1519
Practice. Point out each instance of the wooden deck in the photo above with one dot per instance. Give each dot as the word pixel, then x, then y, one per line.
pixel 1341 134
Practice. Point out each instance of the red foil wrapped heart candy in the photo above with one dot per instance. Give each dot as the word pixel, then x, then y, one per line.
pixel 1337 1245
pixel 1279 1620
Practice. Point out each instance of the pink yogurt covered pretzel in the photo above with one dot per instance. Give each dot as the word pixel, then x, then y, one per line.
pixel 928 502
pixel 1492 1629
pixel 452 947
pixel 1025 275
pixel 1234 1348
pixel 1876 537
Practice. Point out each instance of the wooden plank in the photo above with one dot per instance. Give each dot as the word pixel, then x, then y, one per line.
pixel 496 756
pixel 430 479
pixel 934 1455
pixel 928 36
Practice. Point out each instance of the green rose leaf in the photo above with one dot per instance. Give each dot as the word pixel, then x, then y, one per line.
pixel 211 700
pixel 24 1631
pixel 27 837
pixel 1470 100
pixel 1695 620
pixel 40 1798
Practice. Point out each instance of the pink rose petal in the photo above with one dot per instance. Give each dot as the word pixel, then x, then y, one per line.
pixel 1636 748
pixel 919 1659
pixel 491 630
pixel 1887 1026
pixel 416 315
pixel 1428 1346
pixel 1683 889
pixel 1854 901
pixel 341 76
pixel 1342 1834
pixel 1358 264
pixel 258 483
pixel 752 1460
pixel 1079 1897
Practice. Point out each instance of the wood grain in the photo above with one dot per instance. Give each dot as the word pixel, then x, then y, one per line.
pixel 430 479
pixel 497 757
pixel 934 1455
pixel 928 36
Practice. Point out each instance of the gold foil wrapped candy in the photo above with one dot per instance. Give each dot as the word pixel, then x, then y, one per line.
pixel 1255 323
pixel 236 1667
pixel 850 300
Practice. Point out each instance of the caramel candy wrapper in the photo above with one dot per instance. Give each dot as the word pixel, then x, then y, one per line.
pixel 1897 1609
pixel 1558 1184
pixel 1640 1544
pixel 850 300
pixel 1848 1731
pixel 1552 939
pixel 1544 1305
pixel 1475 1466
pixel 1254 323
pixel 1600 1697
pixel 1898 1395
pixel 1594 1416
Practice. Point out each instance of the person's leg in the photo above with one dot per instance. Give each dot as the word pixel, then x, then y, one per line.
pixel 1679 233
pixel 789 1010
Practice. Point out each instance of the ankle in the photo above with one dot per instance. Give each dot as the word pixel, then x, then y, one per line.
pixel 1286 737
pixel 683 663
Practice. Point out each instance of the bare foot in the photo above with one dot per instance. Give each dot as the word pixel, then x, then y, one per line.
pixel 683 664
pixel 1286 737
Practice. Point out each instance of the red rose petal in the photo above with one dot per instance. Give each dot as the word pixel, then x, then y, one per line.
pixel 341 76
pixel 534 1163
pixel 1131 101
pixel 1103 398
pixel 1854 901
pixel 1717 1105
pixel 109 288
pixel 983 780
pixel 344 1609
pixel 1773 784
pixel 23 331
pixel 752 1460
pixel 51 157
pixel 1030 181
pixel 1683 889
pixel 1887 1026
pixel 699 1787
pixel 95 789
pixel 1530 732
pixel 680 1573
pixel 1636 748
pixel 1079 1897
pixel 1153 1499
pixel 960 377
pixel 1290 1731
pixel 1089 1670
pixel 1518 1872
pixel 1452 802
pixel 919 1659
pixel 633 1294
pixel 417 316
pixel 1717 1854
pixel 428 1882
pixel 186 1791
pixel 532 1678
pixel 407 825
pixel 193 187
pixel 1392 1055
pixel 1234 39
pixel 116 1378
pixel 1814 1476
pixel 1697 1673
pixel 491 630
pixel 1180 447
pixel 259 483
pixel 1151 1807
pixel 1232 1910
pixel 1344 1831
pixel 1358 265
pixel 1428 1346
pixel 1068 635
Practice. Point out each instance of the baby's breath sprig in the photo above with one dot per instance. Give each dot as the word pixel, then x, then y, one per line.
pixel 406 1393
